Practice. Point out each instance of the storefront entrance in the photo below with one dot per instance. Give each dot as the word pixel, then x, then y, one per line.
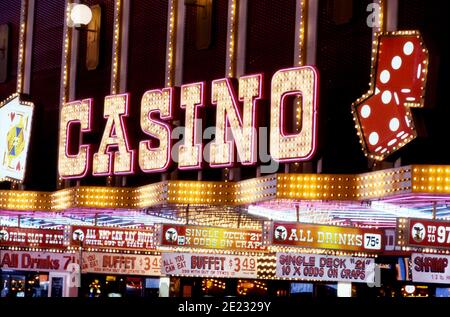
pixel 23 284
pixel 94 285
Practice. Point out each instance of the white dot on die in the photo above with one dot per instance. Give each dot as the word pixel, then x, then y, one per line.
pixel 385 76
pixel 396 62
pixel 374 138
pixel 386 97
pixel 394 124
pixel 408 48
pixel 365 111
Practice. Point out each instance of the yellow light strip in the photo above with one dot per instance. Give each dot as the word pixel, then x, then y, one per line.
pixel 381 17
pixel 66 64
pixel 198 192
pixel 171 45
pixel 150 195
pixel 115 80
pixel 344 187
pixel 233 21
pixel 255 190
pixel 301 33
pixel 24 200
pixel 22 48
pixel 376 30
pixel 431 179
pixel 68 35
pixel 417 179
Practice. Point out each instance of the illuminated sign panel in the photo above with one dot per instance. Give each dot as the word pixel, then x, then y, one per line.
pixel 211 238
pixel 112 238
pixel 124 264
pixel 36 261
pixel 15 131
pixel 120 161
pixel 235 117
pixel 325 268
pixel 326 237
pixel 32 238
pixel 423 233
pixel 383 117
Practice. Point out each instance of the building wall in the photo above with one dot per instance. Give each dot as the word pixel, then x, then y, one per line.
pixel 10 14
pixel 45 79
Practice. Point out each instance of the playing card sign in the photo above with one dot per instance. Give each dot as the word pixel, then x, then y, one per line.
pixel 15 131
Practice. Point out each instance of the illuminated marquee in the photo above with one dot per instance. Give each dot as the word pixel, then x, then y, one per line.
pixel 116 157
pixel 383 118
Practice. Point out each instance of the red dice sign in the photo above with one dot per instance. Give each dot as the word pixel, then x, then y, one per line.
pixel 382 116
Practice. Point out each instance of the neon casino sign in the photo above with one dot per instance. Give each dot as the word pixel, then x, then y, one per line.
pixel 115 156
pixel 383 119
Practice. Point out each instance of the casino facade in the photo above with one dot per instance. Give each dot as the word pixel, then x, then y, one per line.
pixel 198 148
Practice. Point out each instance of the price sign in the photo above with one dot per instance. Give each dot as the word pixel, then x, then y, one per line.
pixel 326 237
pixel 36 261
pixel 126 264
pixel 425 233
pixel 372 241
pixel 209 265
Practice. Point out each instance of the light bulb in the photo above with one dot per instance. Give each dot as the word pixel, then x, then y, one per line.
pixel 81 14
